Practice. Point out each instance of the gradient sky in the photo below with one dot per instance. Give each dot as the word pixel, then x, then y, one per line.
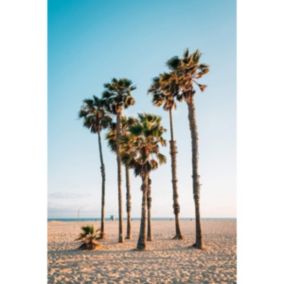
pixel 92 41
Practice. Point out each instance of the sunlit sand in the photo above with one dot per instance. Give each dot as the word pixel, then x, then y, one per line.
pixel 164 261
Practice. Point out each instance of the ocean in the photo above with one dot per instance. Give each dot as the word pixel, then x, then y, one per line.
pixel 135 218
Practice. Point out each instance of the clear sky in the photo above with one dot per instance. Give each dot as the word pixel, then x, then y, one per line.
pixel 92 41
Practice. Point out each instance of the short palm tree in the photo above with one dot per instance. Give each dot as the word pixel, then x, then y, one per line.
pixel 111 137
pixel 96 119
pixel 163 90
pixel 187 70
pixel 88 237
pixel 117 97
pixel 141 151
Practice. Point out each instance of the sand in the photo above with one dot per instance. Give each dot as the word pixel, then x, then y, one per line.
pixel 165 261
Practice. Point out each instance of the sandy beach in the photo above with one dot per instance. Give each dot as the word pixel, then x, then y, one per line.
pixel 165 261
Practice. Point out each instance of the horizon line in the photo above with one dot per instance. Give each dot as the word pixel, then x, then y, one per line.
pixel 133 218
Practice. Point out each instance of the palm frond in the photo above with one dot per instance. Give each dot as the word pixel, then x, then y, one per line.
pixel 186 53
pixel 88 229
pixel 162 158
pixel 89 102
pixel 202 87
pixel 136 129
pixel 173 63
pixel 196 56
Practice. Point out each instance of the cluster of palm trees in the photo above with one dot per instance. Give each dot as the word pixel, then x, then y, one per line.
pixel 137 141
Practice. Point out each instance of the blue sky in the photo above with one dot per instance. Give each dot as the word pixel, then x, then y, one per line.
pixel 90 42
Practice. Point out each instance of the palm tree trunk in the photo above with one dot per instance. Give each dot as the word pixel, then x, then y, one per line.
pixel 118 159
pixel 141 245
pixel 128 203
pixel 103 187
pixel 149 201
pixel 195 174
pixel 173 152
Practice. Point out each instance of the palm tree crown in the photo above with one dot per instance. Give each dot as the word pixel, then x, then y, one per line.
pixel 88 237
pixel 186 71
pixel 94 115
pixel 111 135
pixel 117 95
pixel 140 149
pixel 164 89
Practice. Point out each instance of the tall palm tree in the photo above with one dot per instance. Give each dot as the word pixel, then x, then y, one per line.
pixel 117 97
pixel 96 119
pixel 163 90
pixel 111 137
pixel 141 151
pixel 187 70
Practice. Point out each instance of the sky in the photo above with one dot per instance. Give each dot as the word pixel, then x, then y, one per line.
pixel 89 43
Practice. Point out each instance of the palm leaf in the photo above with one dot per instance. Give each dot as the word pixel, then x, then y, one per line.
pixel 173 63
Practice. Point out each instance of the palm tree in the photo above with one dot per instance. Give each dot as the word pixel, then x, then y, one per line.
pixel 117 97
pixel 126 122
pixel 88 237
pixel 163 90
pixel 96 119
pixel 141 151
pixel 187 70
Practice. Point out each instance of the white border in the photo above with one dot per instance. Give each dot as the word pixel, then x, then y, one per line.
pixel 260 141
pixel 23 151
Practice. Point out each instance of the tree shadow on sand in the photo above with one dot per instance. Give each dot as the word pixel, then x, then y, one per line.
pixel 103 251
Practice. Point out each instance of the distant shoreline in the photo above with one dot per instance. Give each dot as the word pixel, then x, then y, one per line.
pixel 137 219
